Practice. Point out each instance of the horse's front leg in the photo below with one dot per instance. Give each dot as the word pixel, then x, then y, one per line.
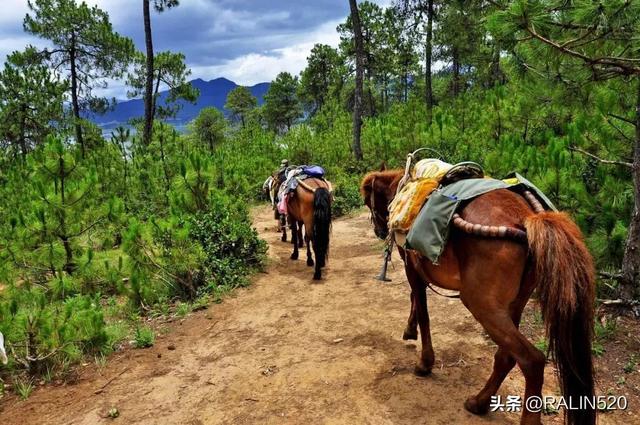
pixel 419 298
pixel 411 331
pixel 283 227
pixel 294 237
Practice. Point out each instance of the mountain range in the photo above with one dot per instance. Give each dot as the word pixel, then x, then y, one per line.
pixel 212 93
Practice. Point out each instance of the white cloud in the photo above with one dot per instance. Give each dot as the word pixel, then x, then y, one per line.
pixel 244 44
pixel 259 67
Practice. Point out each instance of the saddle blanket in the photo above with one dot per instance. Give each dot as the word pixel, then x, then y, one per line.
pixel 430 230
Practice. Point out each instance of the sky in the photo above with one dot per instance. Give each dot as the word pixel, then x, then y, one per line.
pixel 246 41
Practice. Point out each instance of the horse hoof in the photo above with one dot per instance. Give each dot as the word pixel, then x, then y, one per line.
pixel 422 371
pixel 472 405
pixel 407 335
pixel 310 262
pixel 283 238
pixel 317 276
pixel 294 256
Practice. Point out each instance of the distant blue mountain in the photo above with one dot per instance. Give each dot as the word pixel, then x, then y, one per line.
pixel 212 93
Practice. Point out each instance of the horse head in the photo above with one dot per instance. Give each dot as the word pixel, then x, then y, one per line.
pixel 378 189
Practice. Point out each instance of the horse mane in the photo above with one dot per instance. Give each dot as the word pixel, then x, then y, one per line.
pixel 386 176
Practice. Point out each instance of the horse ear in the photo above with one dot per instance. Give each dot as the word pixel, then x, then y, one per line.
pixel 383 166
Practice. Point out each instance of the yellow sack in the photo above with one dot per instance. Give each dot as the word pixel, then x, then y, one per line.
pixel 430 168
pixel 405 207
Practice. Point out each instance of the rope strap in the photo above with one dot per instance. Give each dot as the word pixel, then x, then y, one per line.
pixel 313 189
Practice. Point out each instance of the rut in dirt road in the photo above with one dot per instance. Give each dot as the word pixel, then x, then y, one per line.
pixel 288 350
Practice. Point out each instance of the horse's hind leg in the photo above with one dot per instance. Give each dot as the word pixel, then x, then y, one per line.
pixel 513 346
pixel 294 237
pixel 300 239
pixel 419 298
pixel 503 362
pixel 307 239
pixel 317 272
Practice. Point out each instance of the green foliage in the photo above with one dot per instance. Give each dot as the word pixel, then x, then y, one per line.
pixel 31 100
pixel 281 104
pixel 346 196
pixel 24 387
pixel 232 248
pixel 209 125
pixel 240 102
pixel 321 75
pixel 85 47
pixel 182 309
pixel 93 239
pixel 171 72
pixel 631 365
pixel 144 337
pixel 542 344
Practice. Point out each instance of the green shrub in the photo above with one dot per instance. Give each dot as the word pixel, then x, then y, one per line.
pixel 144 337
pixel 346 197
pixel 24 387
pixel 231 246
pixel 51 331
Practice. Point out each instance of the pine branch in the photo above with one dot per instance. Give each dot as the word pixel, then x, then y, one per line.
pixel 621 118
pixel 618 64
pixel 624 136
pixel 601 160
pixel 609 275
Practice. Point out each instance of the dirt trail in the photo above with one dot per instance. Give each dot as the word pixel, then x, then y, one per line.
pixel 288 350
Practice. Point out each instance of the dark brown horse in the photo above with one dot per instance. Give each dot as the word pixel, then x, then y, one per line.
pixel 310 205
pixel 496 277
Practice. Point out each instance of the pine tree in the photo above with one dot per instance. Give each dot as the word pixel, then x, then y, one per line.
pixel 320 75
pixel 31 101
pixel 240 102
pixel 357 107
pixel 584 45
pixel 159 6
pixel 170 71
pixel 209 126
pixel 85 45
pixel 281 105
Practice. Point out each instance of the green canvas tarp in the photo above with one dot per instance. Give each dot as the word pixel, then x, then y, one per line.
pixel 429 233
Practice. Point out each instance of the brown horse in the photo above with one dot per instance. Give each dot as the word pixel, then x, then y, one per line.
pixel 271 187
pixel 310 205
pixel 496 277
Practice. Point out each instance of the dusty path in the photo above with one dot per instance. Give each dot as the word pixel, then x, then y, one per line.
pixel 288 350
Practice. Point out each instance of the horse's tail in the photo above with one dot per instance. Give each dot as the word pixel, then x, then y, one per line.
pixel 565 278
pixel 321 224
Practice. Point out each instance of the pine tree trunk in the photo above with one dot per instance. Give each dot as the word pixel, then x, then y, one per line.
pixel 148 90
pixel 427 62
pixel 75 104
pixel 495 76
pixel 69 265
pixel 167 180
pixel 23 139
pixel 357 104
pixel 456 73
pixel 631 262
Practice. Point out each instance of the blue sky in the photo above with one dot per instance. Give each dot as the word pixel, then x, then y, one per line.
pixel 247 41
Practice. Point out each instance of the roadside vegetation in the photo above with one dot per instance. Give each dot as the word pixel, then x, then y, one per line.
pixel 99 233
